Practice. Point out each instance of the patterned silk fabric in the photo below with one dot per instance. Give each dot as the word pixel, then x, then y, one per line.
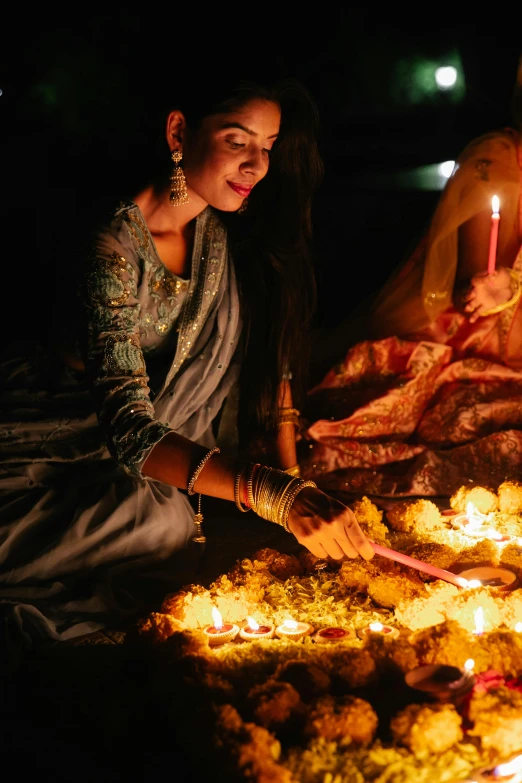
pixel 82 531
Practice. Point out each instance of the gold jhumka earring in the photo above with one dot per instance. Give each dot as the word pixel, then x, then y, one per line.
pixel 179 192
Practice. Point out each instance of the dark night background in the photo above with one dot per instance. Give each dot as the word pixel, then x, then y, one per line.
pixel 75 90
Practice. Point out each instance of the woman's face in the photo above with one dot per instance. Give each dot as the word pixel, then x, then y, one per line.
pixel 229 154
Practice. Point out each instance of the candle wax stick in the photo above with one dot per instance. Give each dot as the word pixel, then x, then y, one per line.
pixel 427 568
pixel 493 239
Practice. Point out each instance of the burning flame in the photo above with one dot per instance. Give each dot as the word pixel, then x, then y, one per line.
pixel 290 625
pixel 518 627
pixel 218 621
pixel 474 583
pixel 475 521
pixel 474 516
pixel 470 663
pixel 495 204
pixel 376 627
pixel 252 624
pixel 479 621
pixel 509 768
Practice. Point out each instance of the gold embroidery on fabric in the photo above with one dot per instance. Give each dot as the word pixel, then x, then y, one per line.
pixel 482 169
pixel 123 354
pixel 137 228
pixel 170 285
pixel 106 281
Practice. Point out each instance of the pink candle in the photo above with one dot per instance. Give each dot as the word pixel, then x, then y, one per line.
pixel 438 573
pixel 493 237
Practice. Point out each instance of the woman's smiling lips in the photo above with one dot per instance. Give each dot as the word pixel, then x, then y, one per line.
pixel 242 190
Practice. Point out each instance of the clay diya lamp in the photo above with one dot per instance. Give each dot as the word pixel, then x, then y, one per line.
pixel 509 772
pixel 378 630
pixel 489 576
pixel 220 632
pixel 442 682
pixel 293 630
pixel 329 635
pixel 253 631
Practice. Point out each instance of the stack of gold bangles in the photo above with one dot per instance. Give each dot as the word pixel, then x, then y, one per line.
pixel 269 492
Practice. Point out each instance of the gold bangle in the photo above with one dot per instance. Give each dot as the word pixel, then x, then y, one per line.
pixel 290 410
pixel 269 489
pixel 289 501
pixel 295 470
pixel 236 491
pixel 290 419
pixel 272 493
pixel 195 475
pixel 249 480
pixel 514 299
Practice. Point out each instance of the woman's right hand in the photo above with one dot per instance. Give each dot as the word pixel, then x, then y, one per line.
pixel 327 527
pixel 487 291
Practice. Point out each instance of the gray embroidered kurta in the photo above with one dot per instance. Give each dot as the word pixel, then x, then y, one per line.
pixel 78 521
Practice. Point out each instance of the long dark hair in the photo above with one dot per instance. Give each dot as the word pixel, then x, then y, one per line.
pixel 272 244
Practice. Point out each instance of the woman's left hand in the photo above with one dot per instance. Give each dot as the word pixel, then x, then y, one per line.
pixel 326 526
pixel 487 291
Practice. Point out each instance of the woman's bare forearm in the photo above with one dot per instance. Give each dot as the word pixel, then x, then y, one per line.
pixel 174 459
pixel 285 442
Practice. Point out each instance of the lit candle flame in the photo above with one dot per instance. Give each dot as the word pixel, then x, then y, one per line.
pixel 474 516
pixel 291 625
pixel 495 204
pixel 479 621
pixel 252 624
pixel 474 583
pixel 218 621
pixel 470 663
pixel 509 768
pixel 518 627
pixel 376 627
pixel 475 524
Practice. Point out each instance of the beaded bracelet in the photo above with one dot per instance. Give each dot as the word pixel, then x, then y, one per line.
pixel 236 491
pixel 195 475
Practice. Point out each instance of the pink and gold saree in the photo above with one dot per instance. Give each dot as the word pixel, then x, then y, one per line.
pixel 431 402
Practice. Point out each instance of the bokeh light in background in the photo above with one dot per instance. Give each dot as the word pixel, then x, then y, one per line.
pixel 430 177
pixel 419 81
pixel 445 168
pixel 446 77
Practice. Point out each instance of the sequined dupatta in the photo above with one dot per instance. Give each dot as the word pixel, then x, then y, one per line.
pixel 207 360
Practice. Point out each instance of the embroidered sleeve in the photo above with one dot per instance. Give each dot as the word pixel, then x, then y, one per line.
pixel 114 357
